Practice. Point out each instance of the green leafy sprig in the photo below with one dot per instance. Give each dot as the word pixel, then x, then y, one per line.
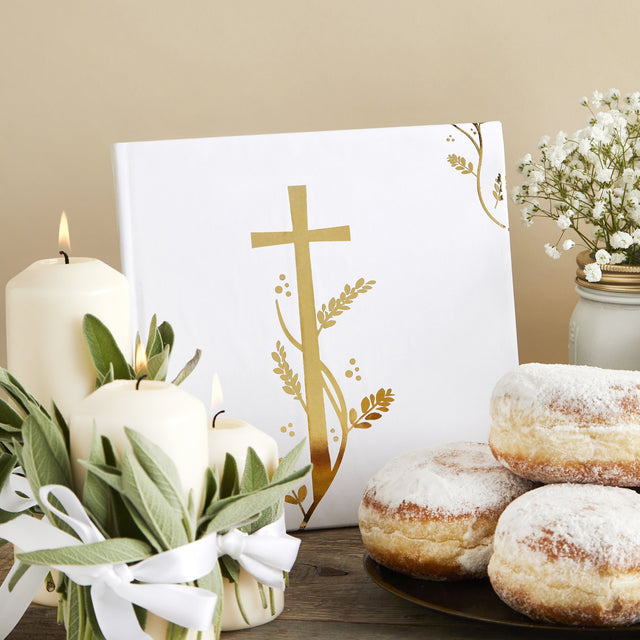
pixel 111 364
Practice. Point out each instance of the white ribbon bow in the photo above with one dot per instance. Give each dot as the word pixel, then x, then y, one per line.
pixel 265 554
pixel 10 498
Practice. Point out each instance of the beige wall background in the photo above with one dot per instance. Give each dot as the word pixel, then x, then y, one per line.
pixel 79 75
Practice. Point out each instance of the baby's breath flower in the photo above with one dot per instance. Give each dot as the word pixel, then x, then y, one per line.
pixel 618 257
pixel 598 210
pixel 621 240
pixel 604 175
pixel 551 251
pixel 603 257
pixel 612 94
pixel 584 146
pixel 596 99
pixel 564 222
pixel 593 272
pixel 568 244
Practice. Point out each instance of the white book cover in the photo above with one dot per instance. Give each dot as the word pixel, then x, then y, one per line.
pixel 350 288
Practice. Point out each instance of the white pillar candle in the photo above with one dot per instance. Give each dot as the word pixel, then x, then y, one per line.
pixel 230 435
pixel 171 418
pixel 45 305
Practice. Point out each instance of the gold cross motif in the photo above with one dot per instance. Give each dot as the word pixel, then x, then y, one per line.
pixel 301 237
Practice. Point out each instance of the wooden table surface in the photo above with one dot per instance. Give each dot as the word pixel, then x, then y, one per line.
pixel 330 596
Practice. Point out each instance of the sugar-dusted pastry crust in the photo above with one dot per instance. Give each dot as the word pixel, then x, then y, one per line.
pixel 432 513
pixel 566 423
pixel 570 554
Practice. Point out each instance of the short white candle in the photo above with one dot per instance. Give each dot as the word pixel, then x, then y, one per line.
pixel 45 305
pixel 234 436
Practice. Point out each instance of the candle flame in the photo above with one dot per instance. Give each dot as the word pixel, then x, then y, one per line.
pixel 216 393
pixel 141 359
pixel 64 241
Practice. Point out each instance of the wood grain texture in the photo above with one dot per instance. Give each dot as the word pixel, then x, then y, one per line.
pixel 331 597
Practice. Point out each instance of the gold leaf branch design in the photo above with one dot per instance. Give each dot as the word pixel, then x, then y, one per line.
pixel 291 380
pixel 459 163
pixel 337 306
pixel 466 168
pixel 297 497
pixel 497 190
pixel 372 408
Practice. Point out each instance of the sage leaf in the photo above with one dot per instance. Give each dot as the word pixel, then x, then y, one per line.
pixel 188 368
pixel 96 496
pixel 210 486
pixel 230 569
pixel 110 551
pixel 161 470
pixel 16 574
pixel 158 365
pixel 20 395
pixel 242 508
pixel 142 492
pixel 7 465
pixel 154 340
pixel 61 423
pixel 46 455
pixel 167 334
pixel 8 416
pixel 213 582
pixel 108 474
pixel 229 483
pixel 104 349
pixel 255 474
pixel 110 376
pixel 74 614
pixel 288 463
pixel 255 477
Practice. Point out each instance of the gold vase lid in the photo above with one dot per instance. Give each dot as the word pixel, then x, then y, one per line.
pixel 620 278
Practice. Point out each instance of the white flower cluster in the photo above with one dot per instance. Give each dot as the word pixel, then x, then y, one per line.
pixel 590 179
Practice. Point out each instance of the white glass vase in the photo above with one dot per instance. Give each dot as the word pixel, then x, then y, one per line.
pixel 604 330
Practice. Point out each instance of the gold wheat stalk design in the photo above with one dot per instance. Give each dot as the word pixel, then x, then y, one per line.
pixel 372 406
pixel 460 164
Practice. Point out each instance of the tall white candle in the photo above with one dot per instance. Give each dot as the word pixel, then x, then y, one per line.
pixel 234 436
pixel 45 305
pixel 171 418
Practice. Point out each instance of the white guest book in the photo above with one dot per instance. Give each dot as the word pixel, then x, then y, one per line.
pixel 350 288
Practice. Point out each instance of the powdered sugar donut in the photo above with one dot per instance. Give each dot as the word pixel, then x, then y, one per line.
pixel 432 513
pixel 566 423
pixel 570 554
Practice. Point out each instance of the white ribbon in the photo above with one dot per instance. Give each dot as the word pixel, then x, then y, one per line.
pixel 265 554
pixel 10 500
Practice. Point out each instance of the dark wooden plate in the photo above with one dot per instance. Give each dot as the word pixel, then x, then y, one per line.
pixel 472 599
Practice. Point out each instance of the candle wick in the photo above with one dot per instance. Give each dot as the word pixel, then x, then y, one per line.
pixel 213 424
pixel 139 380
pixel 66 256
